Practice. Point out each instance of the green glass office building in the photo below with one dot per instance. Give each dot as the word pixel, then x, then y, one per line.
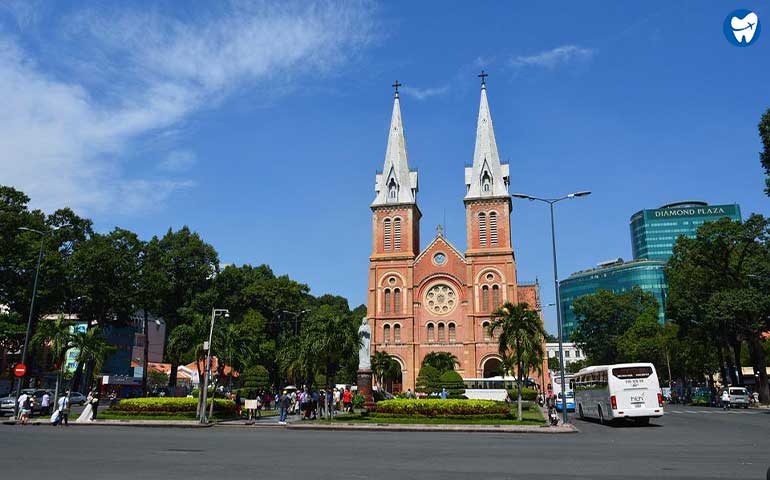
pixel 616 276
pixel 654 232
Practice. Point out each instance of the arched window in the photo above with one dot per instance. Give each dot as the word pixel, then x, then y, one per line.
pixel 392 190
pixel 493 229
pixel 397 234
pixel 387 300
pixel 495 296
pixel 483 229
pixel 486 183
pixel 485 298
pixel 397 300
pixel 441 333
pixel 487 331
pixel 451 333
pixel 397 333
pixel 431 333
pixel 386 334
pixel 386 232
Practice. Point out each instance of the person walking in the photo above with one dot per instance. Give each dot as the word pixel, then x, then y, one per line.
pixel 25 407
pixel 259 406
pixel 347 400
pixel 64 410
pixel 725 400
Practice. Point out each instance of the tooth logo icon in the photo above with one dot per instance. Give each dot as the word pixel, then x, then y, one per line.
pixel 742 28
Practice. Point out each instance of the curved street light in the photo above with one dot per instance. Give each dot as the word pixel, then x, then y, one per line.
pixel 551 202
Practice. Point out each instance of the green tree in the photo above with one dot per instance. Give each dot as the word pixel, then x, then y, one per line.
pixel 441 361
pixel 764 156
pixel 92 348
pixel 453 383
pixel 256 377
pixel 523 335
pixel 603 317
pixel 554 364
pixel 57 335
pixel 719 283
pixel 176 269
pixel 384 368
pixel 428 380
pixel 576 366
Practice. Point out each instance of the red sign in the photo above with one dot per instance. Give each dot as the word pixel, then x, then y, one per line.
pixel 19 370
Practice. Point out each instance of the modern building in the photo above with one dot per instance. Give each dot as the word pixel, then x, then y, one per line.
pixel 572 353
pixel 615 276
pixel 654 232
pixel 439 298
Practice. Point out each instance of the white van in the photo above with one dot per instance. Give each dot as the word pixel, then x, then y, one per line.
pixel 627 390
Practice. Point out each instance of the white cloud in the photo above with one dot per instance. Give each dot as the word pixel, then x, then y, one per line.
pixel 65 134
pixel 178 161
pixel 424 93
pixel 553 58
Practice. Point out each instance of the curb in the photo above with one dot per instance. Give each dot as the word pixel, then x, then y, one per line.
pixel 439 428
pixel 123 423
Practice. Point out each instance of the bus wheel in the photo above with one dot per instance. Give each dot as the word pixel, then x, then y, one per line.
pixel 601 417
pixel 580 412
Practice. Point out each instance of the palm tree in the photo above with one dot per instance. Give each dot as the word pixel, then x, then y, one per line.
pixel 522 334
pixel 92 347
pixel 441 361
pixel 384 367
pixel 57 334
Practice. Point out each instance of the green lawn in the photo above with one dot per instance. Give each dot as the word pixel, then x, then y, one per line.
pixel 529 417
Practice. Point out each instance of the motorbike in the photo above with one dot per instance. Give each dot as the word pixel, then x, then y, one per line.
pixel 553 415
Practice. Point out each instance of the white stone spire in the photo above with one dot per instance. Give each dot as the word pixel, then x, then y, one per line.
pixel 396 184
pixel 487 177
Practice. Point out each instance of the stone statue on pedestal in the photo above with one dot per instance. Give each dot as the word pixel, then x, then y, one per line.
pixel 364 354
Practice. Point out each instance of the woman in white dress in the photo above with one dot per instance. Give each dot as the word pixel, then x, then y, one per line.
pixel 88 412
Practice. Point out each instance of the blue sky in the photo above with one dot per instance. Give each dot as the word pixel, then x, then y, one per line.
pixel 261 124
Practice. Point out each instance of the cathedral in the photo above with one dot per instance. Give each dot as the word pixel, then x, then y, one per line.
pixel 438 298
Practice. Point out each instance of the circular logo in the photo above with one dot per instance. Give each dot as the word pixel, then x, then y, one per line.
pixel 439 258
pixel 742 28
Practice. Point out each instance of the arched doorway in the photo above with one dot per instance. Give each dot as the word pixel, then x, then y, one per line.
pixel 492 367
pixel 394 382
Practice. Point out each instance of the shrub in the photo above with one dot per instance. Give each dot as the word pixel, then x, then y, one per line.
pixel 169 405
pixel 358 401
pixel 428 380
pixel 529 394
pixel 453 383
pixel 440 408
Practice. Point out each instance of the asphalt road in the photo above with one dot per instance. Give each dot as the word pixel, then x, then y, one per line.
pixel 688 442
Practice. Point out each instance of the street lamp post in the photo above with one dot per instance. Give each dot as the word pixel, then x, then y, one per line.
pixel 42 234
pixel 214 313
pixel 551 202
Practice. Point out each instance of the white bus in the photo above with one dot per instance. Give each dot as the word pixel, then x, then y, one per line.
pixel 627 390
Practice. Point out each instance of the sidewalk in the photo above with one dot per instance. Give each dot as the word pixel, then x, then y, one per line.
pixel 120 423
pixel 394 427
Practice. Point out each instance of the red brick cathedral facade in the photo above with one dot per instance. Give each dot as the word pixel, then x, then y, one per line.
pixel 438 298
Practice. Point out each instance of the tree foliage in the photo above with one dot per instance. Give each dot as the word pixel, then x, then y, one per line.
pixel 764 155
pixel 441 361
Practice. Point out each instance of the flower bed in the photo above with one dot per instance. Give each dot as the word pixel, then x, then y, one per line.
pixel 442 408
pixel 164 405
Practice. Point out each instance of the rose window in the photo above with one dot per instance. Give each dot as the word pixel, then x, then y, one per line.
pixel 440 299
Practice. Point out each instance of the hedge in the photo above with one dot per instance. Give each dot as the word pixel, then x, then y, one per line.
pixel 440 408
pixel 529 394
pixel 168 405
pixel 453 383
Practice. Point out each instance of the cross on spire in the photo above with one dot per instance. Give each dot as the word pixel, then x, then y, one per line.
pixel 439 230
pixel 483 76
pixel 396 85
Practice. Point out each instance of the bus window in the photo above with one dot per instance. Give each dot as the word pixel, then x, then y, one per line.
pixel 632 372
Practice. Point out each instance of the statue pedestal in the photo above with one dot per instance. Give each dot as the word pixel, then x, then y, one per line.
pixel 364 384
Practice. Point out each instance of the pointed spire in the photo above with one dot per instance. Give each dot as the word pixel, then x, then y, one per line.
pixel 487 177
pixel 397 183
